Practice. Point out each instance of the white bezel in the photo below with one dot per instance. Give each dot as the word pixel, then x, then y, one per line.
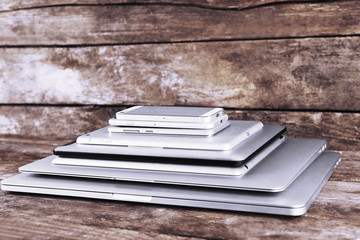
pixel 207 117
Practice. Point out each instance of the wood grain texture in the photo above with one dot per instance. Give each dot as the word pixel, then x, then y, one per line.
pixel 311 73
pixel 341 130
pixel 212 53
pixel 73 218
pixel 119 24
pixel 333 215
pixel 7 5
pixel 348 172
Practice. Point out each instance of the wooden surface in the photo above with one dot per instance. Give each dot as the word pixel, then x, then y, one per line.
pixel 333 215
pixel 67 66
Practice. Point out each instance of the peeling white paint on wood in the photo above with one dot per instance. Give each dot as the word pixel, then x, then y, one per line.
pixel 9 125
pixel 290 74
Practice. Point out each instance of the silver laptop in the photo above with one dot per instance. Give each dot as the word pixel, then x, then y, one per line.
pixel 228 138
pixel 171 167
pixel 160 166
pixel 294 200
pixel 274 173
pixel 235 156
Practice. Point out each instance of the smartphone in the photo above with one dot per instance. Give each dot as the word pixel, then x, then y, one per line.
pixel 161 124
pixel 171 114
pixel 173 131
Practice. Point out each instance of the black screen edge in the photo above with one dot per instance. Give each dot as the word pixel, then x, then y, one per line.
pixel 190 161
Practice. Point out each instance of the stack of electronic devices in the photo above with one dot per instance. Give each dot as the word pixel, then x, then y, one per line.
pixel 185 156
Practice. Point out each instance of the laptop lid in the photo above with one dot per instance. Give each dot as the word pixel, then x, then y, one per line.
pixel 159 167
pixel 272 174
pixel 295 200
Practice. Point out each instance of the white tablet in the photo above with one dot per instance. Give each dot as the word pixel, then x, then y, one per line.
pixel 237 132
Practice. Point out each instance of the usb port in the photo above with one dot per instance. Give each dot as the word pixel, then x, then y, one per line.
pixel 131 131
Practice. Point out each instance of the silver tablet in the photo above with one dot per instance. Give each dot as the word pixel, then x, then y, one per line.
pixel 294 201
pixel 176 125
pixel 274 173
pixel 235 156
pixel 237 132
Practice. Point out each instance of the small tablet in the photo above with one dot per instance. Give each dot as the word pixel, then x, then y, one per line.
pixel 237 132
pixel 171 131
pixel 164 124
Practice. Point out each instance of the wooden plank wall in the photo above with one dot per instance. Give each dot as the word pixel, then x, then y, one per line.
pixel 66 67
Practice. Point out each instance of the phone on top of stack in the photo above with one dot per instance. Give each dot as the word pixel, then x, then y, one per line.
pixel 185 156
pixel 200 121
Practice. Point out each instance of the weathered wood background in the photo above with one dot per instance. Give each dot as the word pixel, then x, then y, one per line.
pixel 66 67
